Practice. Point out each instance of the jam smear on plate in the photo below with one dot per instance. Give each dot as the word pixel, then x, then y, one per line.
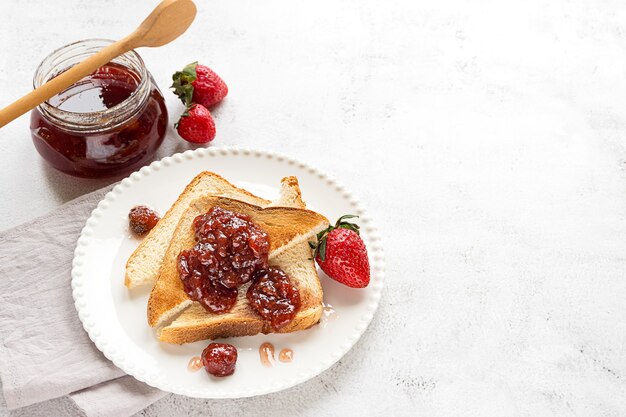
pixel 195 364
pixel 285 355
pixel 266 354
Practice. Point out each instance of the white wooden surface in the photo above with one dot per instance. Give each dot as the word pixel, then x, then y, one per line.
pixel 488 140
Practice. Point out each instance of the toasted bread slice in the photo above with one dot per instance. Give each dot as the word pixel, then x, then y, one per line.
pixel 286 227
pixel 144 263
pixel 195 323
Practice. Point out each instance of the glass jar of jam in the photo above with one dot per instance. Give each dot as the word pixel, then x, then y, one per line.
pixel 110 122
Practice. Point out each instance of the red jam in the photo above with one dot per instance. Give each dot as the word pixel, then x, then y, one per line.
pixel 230 248
pixel 106 87
pixel 230 251
pixel 274 297
pixel 142 219
pixel 113 146
pixel 219 359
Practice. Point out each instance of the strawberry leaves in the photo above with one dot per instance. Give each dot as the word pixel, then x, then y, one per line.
pixel 182 84
pixel 319 248
pixel 342 224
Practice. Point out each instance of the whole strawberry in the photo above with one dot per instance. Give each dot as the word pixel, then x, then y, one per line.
pixel 197 83
pixel 196 125
pixel 342 255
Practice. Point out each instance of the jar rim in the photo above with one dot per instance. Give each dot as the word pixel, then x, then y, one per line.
pixel 49 68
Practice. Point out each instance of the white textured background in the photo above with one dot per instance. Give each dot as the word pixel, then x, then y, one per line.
pixel 488 140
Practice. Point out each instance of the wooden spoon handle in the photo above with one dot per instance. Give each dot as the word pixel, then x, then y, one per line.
pixel 63 81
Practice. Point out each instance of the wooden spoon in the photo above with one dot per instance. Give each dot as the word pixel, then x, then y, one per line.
pixel 168 21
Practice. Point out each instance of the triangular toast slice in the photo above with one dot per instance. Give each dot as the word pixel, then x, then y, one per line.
pixel 195 323
pixel 286 227
pixel 144 263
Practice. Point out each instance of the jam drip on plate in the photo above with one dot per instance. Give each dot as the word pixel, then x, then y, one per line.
pixel 286 355
pixel 266 353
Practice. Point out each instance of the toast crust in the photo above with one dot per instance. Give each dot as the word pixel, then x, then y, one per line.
pixel 286 226
pixel 290 194
pixel 197 329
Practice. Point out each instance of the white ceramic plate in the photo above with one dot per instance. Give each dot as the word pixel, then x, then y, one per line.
pixel 115 317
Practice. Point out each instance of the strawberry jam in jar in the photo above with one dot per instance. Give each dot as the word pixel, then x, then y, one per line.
pixel 109 123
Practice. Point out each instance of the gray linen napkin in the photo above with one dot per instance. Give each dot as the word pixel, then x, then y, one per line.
pixel 44 351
